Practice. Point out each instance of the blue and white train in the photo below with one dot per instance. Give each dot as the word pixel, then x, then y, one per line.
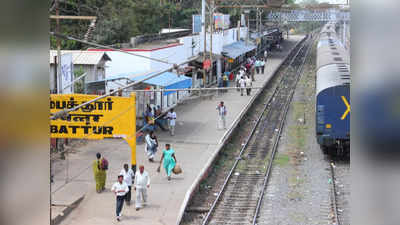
pixel 332 93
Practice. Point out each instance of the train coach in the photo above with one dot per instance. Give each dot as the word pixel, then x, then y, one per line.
pixel 332 93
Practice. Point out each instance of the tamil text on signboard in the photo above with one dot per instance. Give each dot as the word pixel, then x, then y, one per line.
pixel 106 118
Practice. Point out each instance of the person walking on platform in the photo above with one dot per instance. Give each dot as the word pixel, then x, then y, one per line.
pixel 262 62
pixel 171 116
pixel 221 116
pixel 258 66
pixel 252 72
pixel 142 182
pixel 265 54
pixel 120 188
pixel 128 175
pixel 248 86
pixel 238 76
pixel 100 165
pixel 242 83
pixel 168 159
pixel 151 145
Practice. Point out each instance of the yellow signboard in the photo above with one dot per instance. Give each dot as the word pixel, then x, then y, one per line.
pixel 106 118
pixel 230 60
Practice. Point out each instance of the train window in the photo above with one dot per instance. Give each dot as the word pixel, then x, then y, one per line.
pixel 338 58
pixel 335 53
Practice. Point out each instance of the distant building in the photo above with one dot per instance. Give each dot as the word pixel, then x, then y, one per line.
pixel 90 62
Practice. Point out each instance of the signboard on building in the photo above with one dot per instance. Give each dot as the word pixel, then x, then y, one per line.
pixel 110 117
pixel 67 74
pixel 196 24
pixel 221 21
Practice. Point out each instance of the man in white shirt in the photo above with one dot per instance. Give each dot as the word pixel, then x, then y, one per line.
pixel 171 116
pixel 248 86
pixel 242 83
pixel 128 176
pixel 221 114
pixel 142 182
pixel 120 188
pixel 238 76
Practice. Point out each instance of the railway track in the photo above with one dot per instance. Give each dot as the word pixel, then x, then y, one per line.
pixel 240 197
pixel 340 192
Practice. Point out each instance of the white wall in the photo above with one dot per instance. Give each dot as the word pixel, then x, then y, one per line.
pixel 124 63
pixel 176 54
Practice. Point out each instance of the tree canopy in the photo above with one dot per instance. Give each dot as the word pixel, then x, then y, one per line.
pixel 119 20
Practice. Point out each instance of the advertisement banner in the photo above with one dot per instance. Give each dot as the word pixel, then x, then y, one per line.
pixel 196 26
pixel 67 74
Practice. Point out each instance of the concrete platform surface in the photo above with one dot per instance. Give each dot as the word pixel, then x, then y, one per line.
pixel 195 141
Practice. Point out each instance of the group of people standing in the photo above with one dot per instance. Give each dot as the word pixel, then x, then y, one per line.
pixel 245 75
pixel 123 188
pixel 153 117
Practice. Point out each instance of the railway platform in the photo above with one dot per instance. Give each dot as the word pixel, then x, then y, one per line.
pixel 196 143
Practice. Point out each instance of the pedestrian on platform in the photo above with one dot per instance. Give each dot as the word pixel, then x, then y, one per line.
pixel 225 80
pixel 242 83
pixel 160 121
pixel 100 165
pixel 142 182
pixel 238 77
pixel 168 159
pixel 258 66
pixel 263 65
pixel 171 116
pixel 120 188
pixel 248 86
pixel 221 115
pixel 252 72
pixel 265 54
pixel 151 145
pixel 128 177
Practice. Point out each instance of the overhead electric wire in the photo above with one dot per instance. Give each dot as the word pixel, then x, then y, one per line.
pixel 106 47
pixel 66 111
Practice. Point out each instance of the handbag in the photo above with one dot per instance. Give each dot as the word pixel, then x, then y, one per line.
pixel 177 169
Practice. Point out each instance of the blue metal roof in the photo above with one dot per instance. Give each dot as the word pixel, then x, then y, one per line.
pixel 167 80
pixel 237 48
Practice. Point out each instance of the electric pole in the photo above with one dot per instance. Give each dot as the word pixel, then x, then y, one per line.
pixel 203 24
pixel 211 10
pixel 59 78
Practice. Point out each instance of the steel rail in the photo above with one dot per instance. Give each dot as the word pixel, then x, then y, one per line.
pixel 334 197
pixel 276 142
pixel 238 158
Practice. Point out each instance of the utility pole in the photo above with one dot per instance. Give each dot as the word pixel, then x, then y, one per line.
pixel 248 28
pixel 203 24
pixel 211 10
pixel 59 77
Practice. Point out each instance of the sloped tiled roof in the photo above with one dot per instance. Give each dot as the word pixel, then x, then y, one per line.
pixel 80 57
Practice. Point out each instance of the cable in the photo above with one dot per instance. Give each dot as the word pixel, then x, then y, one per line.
pixel 58 35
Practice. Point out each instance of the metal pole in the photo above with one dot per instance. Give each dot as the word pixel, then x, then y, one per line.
pixel 203 23
pixel 248 28
pixel 59 77
pixel 211 7
pixel 55 90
